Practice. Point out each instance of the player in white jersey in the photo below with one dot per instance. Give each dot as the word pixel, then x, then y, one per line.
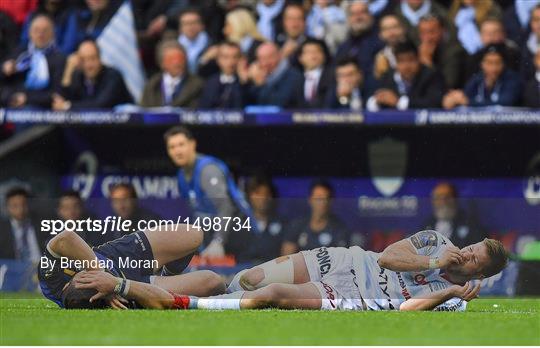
pixel 423 272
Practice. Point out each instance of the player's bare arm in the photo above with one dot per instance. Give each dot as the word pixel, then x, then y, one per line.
pixel 467 292
pixel 402 256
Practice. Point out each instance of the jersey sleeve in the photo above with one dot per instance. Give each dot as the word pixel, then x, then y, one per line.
pixel 428 243
pixel 455 304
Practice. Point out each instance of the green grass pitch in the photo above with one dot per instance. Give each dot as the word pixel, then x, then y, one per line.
pixel 487 322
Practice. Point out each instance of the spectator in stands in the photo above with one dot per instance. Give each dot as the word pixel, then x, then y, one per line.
pixel 467 15
pixel 438 52
pixel 273 81
pixel 65 24
pixel 33 73
pixel 266 243
pixel 348 92
pixel 125 204
pixel 327 21
pixel 452 222
pixel 410 85
pixel 321 228
pixel 410 12
pixel 20 234
pixel 362 42
pixel 193 37
pixel 516 19
pixel 492 32
pixel 318 75
pixel 94 18
pixel 494 85
pixel 531 92
pixel 173 86
pixel 89 84
pixel 8 36
pixel 391 32
pixel 226 89
pixel 531 46
pixel 269 14
pixel 71 207
pixel 293 35
pixel 240 28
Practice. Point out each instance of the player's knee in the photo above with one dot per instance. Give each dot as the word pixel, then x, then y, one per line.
pixel 214 284
pixel 251 278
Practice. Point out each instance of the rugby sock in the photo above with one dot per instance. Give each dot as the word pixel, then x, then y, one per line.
pixel 227 301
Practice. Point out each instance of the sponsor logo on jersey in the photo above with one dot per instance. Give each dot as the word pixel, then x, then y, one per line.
pixel 323 258
pixel 420 279
pixel 383 285
pixel 404 290
pixel 329 294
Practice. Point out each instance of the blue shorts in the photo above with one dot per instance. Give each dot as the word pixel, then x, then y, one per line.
pixel 134 246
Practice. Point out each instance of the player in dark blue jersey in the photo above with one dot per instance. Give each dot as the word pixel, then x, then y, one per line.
pixel 137 256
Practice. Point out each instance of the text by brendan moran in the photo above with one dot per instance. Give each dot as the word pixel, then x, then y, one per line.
pixel 122 263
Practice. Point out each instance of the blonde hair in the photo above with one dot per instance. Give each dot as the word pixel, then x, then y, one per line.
pixel 498 257
pixel 243 24
pixel 481 9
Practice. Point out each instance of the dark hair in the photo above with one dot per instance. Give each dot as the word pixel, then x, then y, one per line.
pixel 321 183
pixel 432 17
pixel 73 298
pixel 405 47
pixel 320 43
pixel 348 61
pixel 17 191
pixel 126 186
pixel 230 44
pixel 70 193
pixel 191 10
pixel 499 49
pixel 178 130
pixel 260 180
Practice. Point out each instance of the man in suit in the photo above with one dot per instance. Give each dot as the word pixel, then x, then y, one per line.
pixel 348 92
pixel 318 76
pixel 293 35
pixel 88 84
pixel 20 236
pixel 451 221
pixel 226 89
pixel 273 80
pixel 410 85
pixel 31 74
pixel 173 86
pixel 531 93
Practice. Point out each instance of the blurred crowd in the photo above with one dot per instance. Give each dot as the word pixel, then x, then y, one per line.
pixel 22 238
pixel 323 54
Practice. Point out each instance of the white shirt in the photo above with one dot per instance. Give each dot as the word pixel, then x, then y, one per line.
pixel 170 84
pixel 224 79
pixel 31 239
pixel 312 78
pixel 383 289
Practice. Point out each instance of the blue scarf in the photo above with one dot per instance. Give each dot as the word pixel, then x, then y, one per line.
pixel 35 61
pixel 468 33
pixel 523 11
pixel 266 15
pixel 194 49
pixel 377 6
pixel 414 16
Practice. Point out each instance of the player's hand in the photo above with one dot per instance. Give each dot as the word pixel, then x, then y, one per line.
pixel 118 302
pixel 466 292
pixel 452 255
pixel 102 282
pixel 214 249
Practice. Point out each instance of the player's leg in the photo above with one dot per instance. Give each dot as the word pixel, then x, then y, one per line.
pixel 198 283
pixel 290 269
pixel 284 296
pixel 173 245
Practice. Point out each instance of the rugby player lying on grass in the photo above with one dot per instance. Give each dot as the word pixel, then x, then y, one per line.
pixel 423 272
pixel 137 256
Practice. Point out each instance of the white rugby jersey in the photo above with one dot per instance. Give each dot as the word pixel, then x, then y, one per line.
pixel 383 289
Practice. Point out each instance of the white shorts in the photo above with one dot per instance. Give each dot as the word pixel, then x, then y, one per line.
pixel 331 270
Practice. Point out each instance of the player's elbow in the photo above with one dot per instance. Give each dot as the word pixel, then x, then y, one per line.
pixel 384 261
